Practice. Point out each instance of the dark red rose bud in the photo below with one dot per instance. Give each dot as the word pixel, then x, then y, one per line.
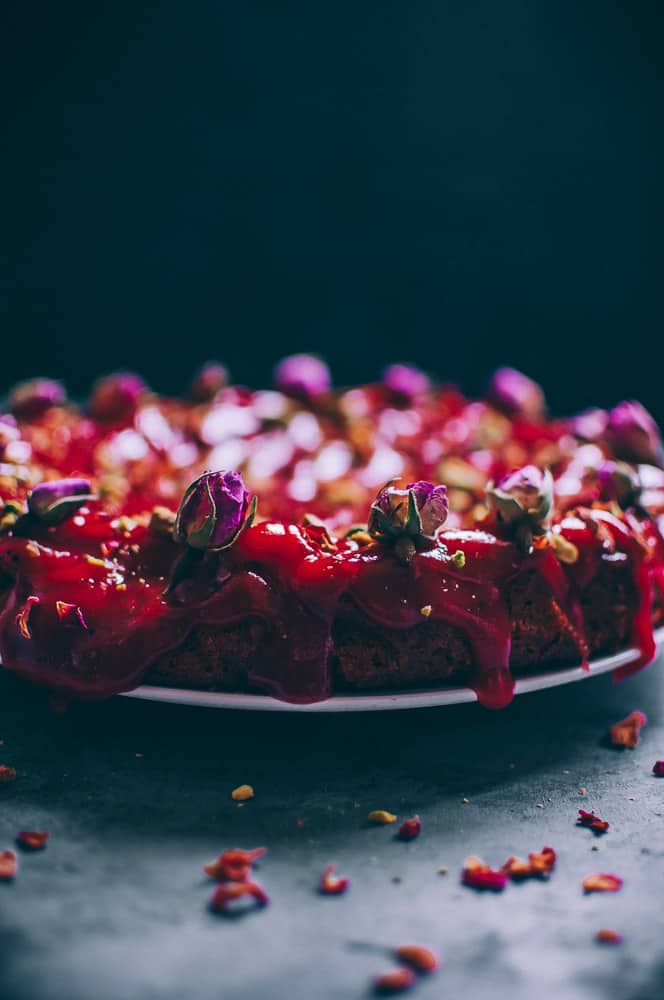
pixel 302 376
pixel 214 511
pixel 53 502
pixel 658 769
pixel 633 434
pixel 33 398
pixel 405 381
pixel 115 397
pixel 410 829
pixel 208 382
pixel 516 395
pixel 410 518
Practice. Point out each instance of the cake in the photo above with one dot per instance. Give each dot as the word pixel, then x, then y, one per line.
pixel 304 541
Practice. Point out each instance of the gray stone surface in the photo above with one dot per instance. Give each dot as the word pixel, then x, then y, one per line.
pixel 137 798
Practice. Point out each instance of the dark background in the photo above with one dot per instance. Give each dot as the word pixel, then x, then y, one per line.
pixel 457 184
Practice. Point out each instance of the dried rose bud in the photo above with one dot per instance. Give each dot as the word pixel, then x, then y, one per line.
pixel 658 769
pixel 8 865
pixel 418 957
pixel 523 500
pixel 331 884
pixel 116 396
pixel 410 829
pixel 593 822
pixel 601 882
pixel 207 382
pixel 33 398
pixel 32 840
pixel 214 511
pixel 395 981
pixel 619 482
pixel 405 381
pixel 54 501
pixel 514 394
pixel 302 376
pixel 408 518
pixel 589 425
pixel 633 434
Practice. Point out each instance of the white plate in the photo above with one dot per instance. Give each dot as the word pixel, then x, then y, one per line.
pixel 380 702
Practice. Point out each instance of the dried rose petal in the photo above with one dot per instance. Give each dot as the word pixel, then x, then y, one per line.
pixel 228 892
pixel 7 774
pixel 658 768
pixel 593 822
pixel 395 981
pixel 242 793
pixel 477 875
pixel 626 733
pixel 233 864
pixel 381 816
pixel 8 865
pixel 32 840
pixel 418 957
pixel 607 936
pixel 331 884
pixel 540 864
pixel 70 615
pixel 410 829
pixel 602 882
pixel 23 617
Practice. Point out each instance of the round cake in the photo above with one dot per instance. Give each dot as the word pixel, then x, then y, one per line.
pixel 304 541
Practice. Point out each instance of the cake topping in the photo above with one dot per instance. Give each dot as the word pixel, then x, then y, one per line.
pixel 408 519
pixel 523 502
pixel 214 511
pixel 633 434
pixel 210 380
pixel 33 398
pixel 619 482
pixel 514 394
pixel 115 397
pixel 302 376
pixel 405 381
pixel 55 501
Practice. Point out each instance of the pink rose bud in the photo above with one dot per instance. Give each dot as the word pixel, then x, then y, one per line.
pixel 55 501
pixel 523 500
pixel 214 511
pixel 405 381
pixel 633 434
pixel 33 398
pixel 516 395
pixel 205 385
pixel 115 397
pixel 302 376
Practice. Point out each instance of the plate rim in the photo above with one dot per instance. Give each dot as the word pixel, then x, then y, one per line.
pixel 392 700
